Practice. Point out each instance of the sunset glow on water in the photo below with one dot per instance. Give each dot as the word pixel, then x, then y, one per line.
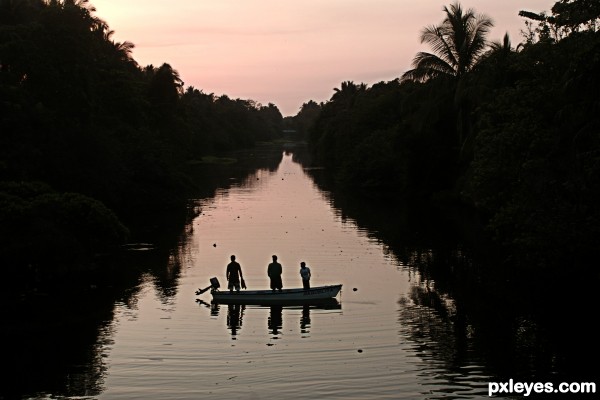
pixel 182 348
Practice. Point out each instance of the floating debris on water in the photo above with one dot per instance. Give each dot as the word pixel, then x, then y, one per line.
pixel 138 246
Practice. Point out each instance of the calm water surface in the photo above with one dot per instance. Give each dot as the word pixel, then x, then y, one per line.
pixel 376 342
pixel 403 327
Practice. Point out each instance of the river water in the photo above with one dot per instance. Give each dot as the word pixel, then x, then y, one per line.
pixel 391 333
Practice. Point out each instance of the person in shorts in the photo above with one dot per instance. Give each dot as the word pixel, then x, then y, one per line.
pixel 234 275
pixel 305 274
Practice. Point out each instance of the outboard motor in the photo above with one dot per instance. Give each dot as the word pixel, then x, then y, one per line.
pixel 214 285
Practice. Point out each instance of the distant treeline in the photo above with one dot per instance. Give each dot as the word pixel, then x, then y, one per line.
pixel 513 132
pixel 88 137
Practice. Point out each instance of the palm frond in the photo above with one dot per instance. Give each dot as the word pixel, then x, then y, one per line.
pixel 427 66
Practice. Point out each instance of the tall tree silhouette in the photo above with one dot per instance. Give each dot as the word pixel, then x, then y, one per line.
pixel 165 87
pixel 458 44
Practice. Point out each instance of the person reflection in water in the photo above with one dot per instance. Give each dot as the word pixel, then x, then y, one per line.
pixel 274 271
pixel 305 319
pixel 305 274
pixel 235 313
pixel 275 321
pixel 234 275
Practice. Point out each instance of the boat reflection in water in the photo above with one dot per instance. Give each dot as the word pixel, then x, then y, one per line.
pixel 236 313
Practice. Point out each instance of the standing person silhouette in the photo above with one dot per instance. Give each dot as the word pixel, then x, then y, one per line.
pixel 274 271
pixel 305 274
pixel 234 275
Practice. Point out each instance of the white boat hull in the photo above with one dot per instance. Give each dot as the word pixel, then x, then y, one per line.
pixel 283 296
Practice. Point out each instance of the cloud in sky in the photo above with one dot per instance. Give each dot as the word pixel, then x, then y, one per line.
pixel 284 52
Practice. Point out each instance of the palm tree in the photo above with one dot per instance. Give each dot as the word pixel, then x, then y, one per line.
pixel 458 43
pixel 348 89
pixel 123 50
pixel 345 96
pixel 504 47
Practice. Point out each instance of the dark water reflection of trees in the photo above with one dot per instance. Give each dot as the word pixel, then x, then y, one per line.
pixel 55 331
pixel 467 309
pixel 455 315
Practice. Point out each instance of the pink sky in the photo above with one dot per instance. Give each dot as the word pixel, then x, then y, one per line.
pixel 289 52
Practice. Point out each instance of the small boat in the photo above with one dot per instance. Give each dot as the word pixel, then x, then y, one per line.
pixel 296 295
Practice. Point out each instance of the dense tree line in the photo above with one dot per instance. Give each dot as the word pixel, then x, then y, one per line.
pixel 301 123
pixel 83 126
pixel 512 132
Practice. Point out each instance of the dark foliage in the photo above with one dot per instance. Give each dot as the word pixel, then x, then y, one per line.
pixel 41 227
pixel 78 114
pixel 517 137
